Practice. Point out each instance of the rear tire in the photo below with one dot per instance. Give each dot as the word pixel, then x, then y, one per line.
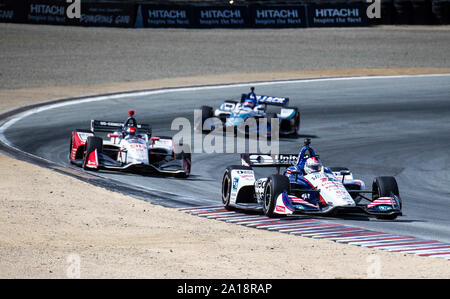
pixel 70 149
pixel 92 143
pixel 276 184
pixel 297 122
pixel 207 112
pixel 269 117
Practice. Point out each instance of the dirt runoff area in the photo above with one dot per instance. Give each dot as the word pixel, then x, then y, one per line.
pixel 54 226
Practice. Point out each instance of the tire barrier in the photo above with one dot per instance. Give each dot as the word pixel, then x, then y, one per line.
pixel 301 14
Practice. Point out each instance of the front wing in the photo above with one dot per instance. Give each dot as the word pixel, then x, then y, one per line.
pixel 102 161
pixel 288 205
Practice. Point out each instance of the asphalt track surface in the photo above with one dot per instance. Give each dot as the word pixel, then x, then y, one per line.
pixel 397 126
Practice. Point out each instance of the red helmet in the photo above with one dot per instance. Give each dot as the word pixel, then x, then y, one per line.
pixel 131 131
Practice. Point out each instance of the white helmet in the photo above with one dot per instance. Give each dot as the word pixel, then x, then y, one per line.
pixel 313 165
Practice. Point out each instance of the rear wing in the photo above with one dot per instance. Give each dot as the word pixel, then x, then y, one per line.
pixel 110 127
pixel 277 101
pixel 263 160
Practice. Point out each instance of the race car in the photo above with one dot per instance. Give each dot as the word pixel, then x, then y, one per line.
pixel 234 113
pixel 306 187
pixel 128 146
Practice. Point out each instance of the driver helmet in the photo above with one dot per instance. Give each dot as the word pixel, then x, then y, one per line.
pixel 249 103
pixel 313 165
pixel 131 131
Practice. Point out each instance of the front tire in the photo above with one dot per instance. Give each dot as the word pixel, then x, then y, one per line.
pixel 227 184
pixel 92 143
pixel 71 142
pixel 186 160
pixel 385 186
pixel 275 185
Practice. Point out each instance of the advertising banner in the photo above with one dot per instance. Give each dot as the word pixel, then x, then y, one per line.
pixel 90 14
pixel 278 16
pixel 337 15
pixel 12 11
pixel 154 15
pixel 230 16
pixel 46 12
pixel 106 14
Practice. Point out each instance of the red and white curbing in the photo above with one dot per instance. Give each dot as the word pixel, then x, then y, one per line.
pixel 321 229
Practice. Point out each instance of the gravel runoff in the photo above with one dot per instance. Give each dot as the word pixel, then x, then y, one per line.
pixel 32 56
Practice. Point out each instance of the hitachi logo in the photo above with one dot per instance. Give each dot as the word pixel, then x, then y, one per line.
pixel 167 14
pixel 334 12
pixel 47 9
pixel 216 14
pixel 277 13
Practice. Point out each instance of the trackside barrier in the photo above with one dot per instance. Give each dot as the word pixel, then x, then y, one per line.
pixel 12 11
pixel 338 15
pixel 278 16
pixel 129 14
pixel 106 14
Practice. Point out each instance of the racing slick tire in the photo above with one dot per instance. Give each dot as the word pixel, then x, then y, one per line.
pixel 385 186
pixel 71 141
pixel 186 160
pixel 227 184
pixel 207 112
pixel 185 157
pixel 268 118
pixel 276 184
pixel 92 143
pixel 296 122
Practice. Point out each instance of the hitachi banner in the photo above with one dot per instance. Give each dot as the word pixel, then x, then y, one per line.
pixel 278 16
pixel 154 15
pixel 91 14
pixel 46 12
pixel 337 15
pixel 220 16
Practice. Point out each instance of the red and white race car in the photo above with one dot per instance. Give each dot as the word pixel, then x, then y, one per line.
pixel 128 146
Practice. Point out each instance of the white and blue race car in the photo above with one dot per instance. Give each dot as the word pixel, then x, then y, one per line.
pixel 236 113
pixel 306 187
